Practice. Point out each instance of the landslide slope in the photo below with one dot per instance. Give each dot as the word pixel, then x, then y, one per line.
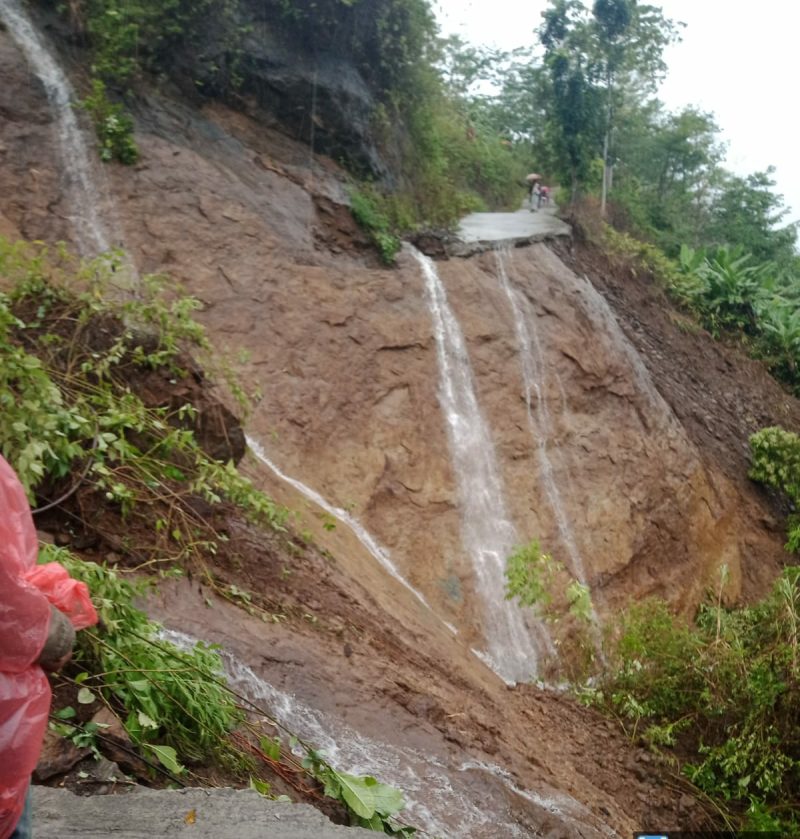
pixel 647 443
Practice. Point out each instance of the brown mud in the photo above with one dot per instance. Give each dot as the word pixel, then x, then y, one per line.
pixel 650 445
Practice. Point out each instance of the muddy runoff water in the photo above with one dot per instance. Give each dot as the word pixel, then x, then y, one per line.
pixel 448 794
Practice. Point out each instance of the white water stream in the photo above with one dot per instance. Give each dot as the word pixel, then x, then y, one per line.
pixel 488 535
pixel 375 549
pixel 79 175
pixel 473 799
pixel 539 419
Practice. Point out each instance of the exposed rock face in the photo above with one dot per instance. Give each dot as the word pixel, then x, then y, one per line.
pixel 320 98
pixel 345 358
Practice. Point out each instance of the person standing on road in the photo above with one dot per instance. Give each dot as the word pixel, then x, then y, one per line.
pixel 533 180
pixel 544 195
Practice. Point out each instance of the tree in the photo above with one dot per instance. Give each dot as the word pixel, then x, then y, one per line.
pixel 747 212
pixel 594 63
pixel 572 124
pixel 669 170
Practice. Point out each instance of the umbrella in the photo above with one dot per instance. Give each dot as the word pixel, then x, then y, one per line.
pixel 533 177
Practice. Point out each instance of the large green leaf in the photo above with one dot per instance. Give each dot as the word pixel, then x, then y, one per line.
pixel 168 757
pixel 357 793
pixel 388 800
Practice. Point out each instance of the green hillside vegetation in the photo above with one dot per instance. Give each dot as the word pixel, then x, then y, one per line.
pixel 445 162
pixel 717 696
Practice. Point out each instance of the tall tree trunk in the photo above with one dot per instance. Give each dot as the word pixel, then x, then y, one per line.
pixel 604 187
pixel 606 143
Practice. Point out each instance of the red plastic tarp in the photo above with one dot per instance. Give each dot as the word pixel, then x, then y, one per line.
pixel 26 592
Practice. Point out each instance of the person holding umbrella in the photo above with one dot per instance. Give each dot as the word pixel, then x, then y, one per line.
pixel 533 180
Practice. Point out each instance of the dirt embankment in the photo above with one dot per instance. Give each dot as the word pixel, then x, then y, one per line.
pixel 646 440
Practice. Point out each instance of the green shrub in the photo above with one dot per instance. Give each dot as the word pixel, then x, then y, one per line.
pixel 114 128
pixel 536 580
pixel 369 215
pixel 176 704
pixel 724 692
pixel 68 408
pixel 166 696
pixel 776 463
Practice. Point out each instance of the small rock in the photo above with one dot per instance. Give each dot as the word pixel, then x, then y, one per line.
pixel 116 744
pixel 58 756
pixel 62 539
pixel 95 776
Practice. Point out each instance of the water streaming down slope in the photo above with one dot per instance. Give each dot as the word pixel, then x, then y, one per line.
pixel 487 532
pixel 541 426
pixel 367 540
pixel 78 175
pixel 474 799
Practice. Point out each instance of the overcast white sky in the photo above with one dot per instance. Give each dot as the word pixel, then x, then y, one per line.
pixel 739 61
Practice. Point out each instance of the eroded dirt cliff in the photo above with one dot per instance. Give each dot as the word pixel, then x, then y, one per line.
pixel 646 440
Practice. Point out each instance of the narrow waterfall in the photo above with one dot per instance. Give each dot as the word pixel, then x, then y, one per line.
pixel 487 532
pixel 367 540
pixel 539 419
pixel 474 799
pixel 78 172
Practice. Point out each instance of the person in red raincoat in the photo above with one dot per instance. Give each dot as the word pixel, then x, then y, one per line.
pixel 40 608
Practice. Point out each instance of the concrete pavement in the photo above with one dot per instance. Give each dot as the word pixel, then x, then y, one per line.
pixel 520 227
pixel 198 813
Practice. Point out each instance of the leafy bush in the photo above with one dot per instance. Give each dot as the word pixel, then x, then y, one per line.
pixel 69 352
pixel 723 692
pixel 113 126
pixel 538 581
pixel 167 696
pixel 365 206
pixel 729 293
pixel 176 704
pixel 727 287
pixel 131 36
pixel 776 463
pixel 643 257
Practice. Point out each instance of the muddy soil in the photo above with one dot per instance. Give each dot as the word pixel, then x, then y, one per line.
pixel 718 392
pixel 256 228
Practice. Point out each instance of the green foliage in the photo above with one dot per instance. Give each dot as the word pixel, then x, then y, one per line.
pixel 176 705
pixel 129 37
pixel 646 258
pixel 70 347
pixel 168 698
pixel 726 287
pixel 538 581
pixel 747 213
pixel 725 690
pixel 113 126
pixel 366 211
pixel 370 803
pixel 531 575
pixel 776 463
pixel 729 292
pixel 593 63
